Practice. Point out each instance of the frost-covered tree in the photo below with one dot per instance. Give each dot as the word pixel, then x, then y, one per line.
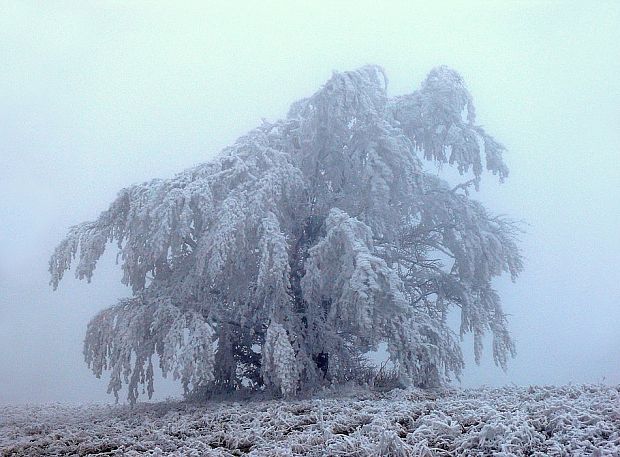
pixel 307 243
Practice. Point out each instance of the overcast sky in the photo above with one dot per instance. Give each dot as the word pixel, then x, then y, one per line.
pixel 95 96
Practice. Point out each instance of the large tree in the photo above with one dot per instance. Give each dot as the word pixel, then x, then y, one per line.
pixel 307 243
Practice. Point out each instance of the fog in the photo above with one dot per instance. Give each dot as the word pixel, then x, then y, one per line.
pixel 97 97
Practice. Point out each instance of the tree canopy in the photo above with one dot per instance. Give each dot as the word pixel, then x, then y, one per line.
pixel 310 241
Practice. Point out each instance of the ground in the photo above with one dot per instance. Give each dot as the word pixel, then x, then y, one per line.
pixel 538 421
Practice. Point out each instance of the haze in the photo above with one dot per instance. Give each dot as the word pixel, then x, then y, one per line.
pixel 96 96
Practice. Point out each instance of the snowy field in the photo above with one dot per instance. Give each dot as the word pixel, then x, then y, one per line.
pixel 556 421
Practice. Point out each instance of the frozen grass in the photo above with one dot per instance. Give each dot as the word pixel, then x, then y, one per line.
pixel 555 421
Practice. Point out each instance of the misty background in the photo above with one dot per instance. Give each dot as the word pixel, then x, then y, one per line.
pixel 95 96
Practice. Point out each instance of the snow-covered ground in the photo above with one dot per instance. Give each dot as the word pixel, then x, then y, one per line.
pixel 556 421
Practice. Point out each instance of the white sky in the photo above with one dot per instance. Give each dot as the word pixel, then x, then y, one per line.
pixel 95 96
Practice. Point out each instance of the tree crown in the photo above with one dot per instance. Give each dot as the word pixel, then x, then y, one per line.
pixel 306 243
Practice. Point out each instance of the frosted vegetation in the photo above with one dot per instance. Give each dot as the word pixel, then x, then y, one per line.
pixel 511 421
pixel 278 265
